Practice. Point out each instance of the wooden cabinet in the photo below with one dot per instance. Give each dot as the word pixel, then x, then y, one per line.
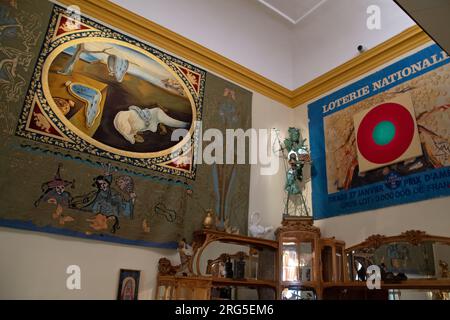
pixel 302 265
pixel 299 256
pixel 183 288
pixel 255 269
pixel 307 261
pixel 332 260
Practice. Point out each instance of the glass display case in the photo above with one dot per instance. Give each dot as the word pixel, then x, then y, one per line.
pixel 298 241
pixel 339 256
pixel 332 260
pixel 297 261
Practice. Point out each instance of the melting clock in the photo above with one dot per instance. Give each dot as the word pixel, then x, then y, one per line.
pixel 90 96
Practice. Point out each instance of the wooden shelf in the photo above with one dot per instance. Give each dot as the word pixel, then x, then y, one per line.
pixel 407 284
pixel 171 279
pixel 214 235
pixel 243 282
pixel 201 284
pixel 220 281
pixel 309 284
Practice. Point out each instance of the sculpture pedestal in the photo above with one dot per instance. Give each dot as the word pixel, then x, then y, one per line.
pixel 295 206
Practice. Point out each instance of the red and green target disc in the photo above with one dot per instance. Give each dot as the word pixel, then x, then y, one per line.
pixel 385 133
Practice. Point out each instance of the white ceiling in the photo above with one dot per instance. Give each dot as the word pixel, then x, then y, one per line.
pixel 292 10
pixel 252 35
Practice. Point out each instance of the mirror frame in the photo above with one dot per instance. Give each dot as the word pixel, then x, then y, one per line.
pixel 413 237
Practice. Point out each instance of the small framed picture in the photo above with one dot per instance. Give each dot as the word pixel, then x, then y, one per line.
pixel 128 284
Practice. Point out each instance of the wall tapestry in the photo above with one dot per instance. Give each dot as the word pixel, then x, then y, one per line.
pixel 384 140
pixel 85 141
pixel 99 92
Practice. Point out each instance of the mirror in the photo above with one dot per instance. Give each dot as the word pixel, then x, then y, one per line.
pixel 401 257
pixel 418 294
pixel 224 260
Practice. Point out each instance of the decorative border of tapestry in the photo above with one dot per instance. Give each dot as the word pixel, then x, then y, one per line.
pixel 383 140
pixel 97 92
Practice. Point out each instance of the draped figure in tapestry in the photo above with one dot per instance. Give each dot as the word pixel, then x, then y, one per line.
pixel 137 120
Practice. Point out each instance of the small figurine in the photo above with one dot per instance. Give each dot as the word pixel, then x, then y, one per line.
pixel 229 268
pixel 256 229
pixel 185 252
pixel 166 268
pixel 240 268
pixel 230 229
pixel 210 220
pixel 444 268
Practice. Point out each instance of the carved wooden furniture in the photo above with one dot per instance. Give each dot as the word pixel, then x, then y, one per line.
pixel 422 258
pixel 183 288
pixel 307 261
pixel 172 285
pixel 332 259
pixel 302 265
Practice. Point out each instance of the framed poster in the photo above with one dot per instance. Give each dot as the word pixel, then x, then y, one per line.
pixel 383 140
pixel 128 284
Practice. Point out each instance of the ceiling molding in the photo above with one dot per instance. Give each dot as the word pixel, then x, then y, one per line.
pixel 279 12
pixel 310 11
pixel 285 16
pixel 146 30
pixel 400 44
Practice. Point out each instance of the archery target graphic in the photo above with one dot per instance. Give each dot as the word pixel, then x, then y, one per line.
pixel 387 134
